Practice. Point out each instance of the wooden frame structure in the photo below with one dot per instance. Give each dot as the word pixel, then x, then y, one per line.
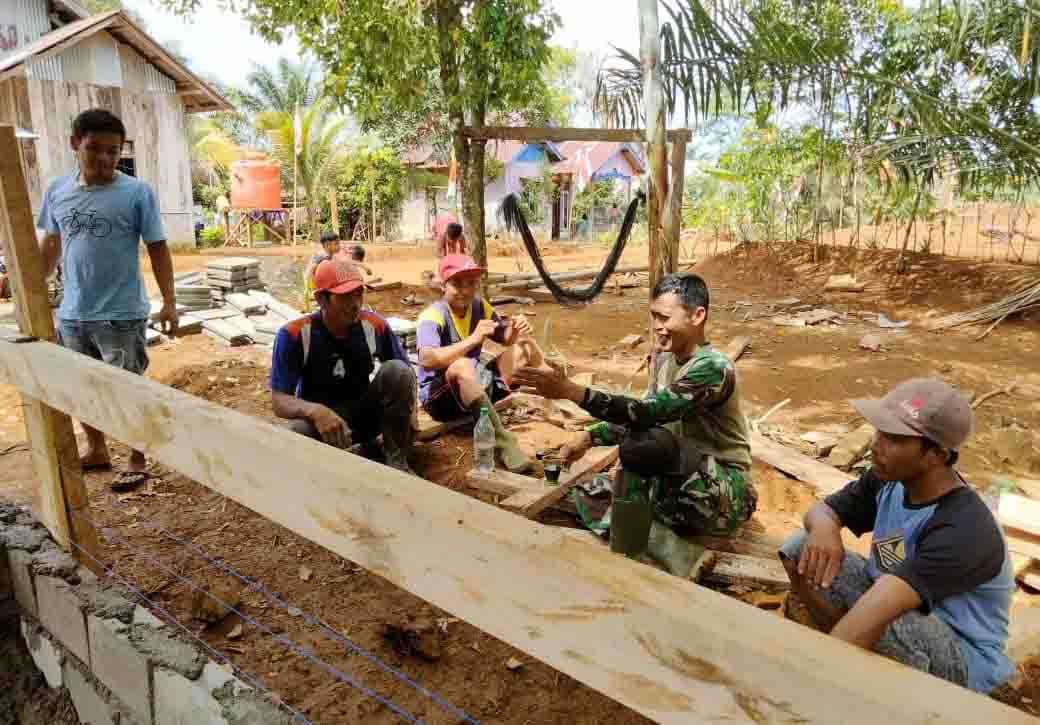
pixel 243 226
pixel 667 648
pixel 664 204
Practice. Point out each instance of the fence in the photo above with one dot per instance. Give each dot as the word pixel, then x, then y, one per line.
pixel 667 648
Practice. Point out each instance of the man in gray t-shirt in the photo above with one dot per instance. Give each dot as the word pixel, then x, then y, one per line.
pixel 94 218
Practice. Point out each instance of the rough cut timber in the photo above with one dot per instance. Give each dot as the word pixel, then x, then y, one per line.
pixel 748 570
pixel 669 649
pixel 383 286
pixel 56 462
pixel 822 479
pixel 595 460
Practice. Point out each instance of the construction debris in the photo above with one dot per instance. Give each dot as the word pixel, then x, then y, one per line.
pixel 843 283
pixel 871 342
pixel 807 318
pixel 629 342
pixel 852 447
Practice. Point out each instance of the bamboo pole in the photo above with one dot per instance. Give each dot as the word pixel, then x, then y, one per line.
pixel 653 99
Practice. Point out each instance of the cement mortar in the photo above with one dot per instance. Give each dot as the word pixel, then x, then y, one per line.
pixel 167 652
pixel 52 561
pixel 105 603
pixel 248 708
pixel 26 538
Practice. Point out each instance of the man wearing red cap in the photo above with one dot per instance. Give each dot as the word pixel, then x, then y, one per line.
pixel 452 380
pixel 322 371
pixel 936 590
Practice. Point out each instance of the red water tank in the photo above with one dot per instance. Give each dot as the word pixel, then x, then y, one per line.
pixel 256 182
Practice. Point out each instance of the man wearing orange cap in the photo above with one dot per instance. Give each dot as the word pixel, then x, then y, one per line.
pixel 322 371
pixel 936 590
pixel 452 380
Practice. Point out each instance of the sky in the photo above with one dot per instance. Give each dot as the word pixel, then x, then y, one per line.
pixel 220 44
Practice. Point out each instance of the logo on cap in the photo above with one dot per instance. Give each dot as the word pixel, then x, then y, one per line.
pixel 913 407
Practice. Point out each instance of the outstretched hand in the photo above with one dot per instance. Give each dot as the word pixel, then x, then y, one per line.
pixel 550 381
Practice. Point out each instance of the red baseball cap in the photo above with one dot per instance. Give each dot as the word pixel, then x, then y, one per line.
pixel 337 276
pixel 456 264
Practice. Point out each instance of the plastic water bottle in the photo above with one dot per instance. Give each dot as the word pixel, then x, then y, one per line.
pixel 484 443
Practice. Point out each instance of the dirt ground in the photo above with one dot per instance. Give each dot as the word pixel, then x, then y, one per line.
pixel 818 368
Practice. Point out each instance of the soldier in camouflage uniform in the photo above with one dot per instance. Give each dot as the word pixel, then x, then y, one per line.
pixel 684 448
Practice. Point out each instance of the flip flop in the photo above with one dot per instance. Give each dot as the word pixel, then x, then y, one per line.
pixel 87 467
pixel 129 480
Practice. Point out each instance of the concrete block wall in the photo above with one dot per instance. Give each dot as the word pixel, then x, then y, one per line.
pixel 120 663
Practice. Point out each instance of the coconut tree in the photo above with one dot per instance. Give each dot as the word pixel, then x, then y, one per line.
pixel 948 84
pixel 281 88
pixel 321 131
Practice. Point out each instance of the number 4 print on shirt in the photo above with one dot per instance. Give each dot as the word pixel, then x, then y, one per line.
pixel 340 370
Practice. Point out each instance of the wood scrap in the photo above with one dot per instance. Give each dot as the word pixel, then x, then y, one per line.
pixel 1020 518
pixel 629 342
pixel 762 419
pixel 843 283
pixel 748 570
pixel 822 478
pixel 594 461
pixel 382 286
pixel 993 393
pixel 503 483
pixel 737 347
pixel 852 447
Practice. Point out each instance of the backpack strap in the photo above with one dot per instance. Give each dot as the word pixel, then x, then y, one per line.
pixel 370 336
pixel 305 339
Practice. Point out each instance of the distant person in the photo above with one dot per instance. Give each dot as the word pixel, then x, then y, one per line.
pixel 581 229
pixel 94 219
pixel 453 382
pixel 936 591
pixel 330 246
pixel 441 222
pixel 322 365
pixel 357 256
pixel 614 214
pixel 453 241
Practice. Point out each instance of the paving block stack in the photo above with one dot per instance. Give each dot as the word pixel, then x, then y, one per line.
pixel 407 331
pixel 233 275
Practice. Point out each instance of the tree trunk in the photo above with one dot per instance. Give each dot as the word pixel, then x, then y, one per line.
pixel 901 262
pixel 653 98
pixel 473 199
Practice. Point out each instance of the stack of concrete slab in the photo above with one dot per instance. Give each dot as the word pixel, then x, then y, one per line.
pixel 248 319
pixel 233 275
pixel 193 296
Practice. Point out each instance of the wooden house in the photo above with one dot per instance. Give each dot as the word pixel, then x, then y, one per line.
pixel 56 61
pixel 572 165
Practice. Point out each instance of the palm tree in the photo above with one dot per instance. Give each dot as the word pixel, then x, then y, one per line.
pixel 282 88
pixel 321 131
pixel 949 83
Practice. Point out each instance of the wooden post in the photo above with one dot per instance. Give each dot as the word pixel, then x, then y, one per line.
pixel 672 222
pixel 52 441
pixel 334 210
pixel 653 99
pixel 249 229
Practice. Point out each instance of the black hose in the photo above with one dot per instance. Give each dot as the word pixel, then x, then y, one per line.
pixel 514 219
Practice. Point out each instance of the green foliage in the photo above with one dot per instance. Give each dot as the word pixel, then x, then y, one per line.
pixel 206 194
pixel 536 194
pixel 362 170
pixel 212 237
pixel 493 169
pixel 599 194
pixel 281 89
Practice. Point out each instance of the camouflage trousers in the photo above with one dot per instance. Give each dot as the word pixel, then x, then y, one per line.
pixel 716 505
pixel 688 491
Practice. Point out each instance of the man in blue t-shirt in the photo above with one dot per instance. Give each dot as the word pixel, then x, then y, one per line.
pixel 322 371
pixel 94 219
pixel 936 591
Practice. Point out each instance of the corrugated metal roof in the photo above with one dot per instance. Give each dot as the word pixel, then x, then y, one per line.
pixel 198 96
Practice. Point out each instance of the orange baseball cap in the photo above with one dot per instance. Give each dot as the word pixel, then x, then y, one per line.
pixel 455 264
pixel 337 276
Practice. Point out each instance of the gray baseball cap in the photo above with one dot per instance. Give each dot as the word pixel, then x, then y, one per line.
pixel 922 407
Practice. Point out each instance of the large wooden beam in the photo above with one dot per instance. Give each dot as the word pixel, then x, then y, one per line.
pixel 52 441
pixel 559 135
pixel 673 651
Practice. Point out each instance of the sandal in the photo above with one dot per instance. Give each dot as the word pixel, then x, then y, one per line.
pixel 129 480
pixel 88 467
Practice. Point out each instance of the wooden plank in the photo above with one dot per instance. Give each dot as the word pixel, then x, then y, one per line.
pixel 1020 513
pixel 51 437
pixel 559 135
pixel 669 649
pixel 384 286
pixel 822 479
pixel 595 460
pixel 736 347
pixel 750 571
pixel 504 483
pixel 430 428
